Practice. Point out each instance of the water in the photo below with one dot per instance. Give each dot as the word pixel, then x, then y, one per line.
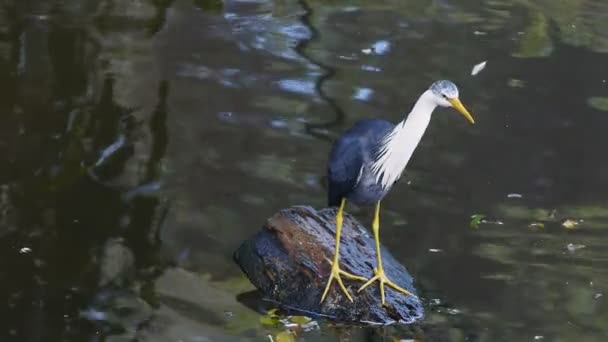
pixel 141 141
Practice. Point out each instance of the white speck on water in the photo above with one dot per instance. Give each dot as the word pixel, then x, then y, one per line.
pixel 573 248
pixel 297 86
pixel 278 123
pixel 381 47
pixel 366 51
pixel 539 337
pixel 25 250
pixel 514 195
pixel 435 250
pixel 363 94
pixel 597 295
pixel 479 33
pixel 453 311
pixel 94 315
pixel 348 58
pixel 370 68
pixel 478 68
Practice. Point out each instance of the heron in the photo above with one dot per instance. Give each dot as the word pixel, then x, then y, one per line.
pixel 367 160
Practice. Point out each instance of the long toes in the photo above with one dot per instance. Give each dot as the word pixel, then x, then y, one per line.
pixel 344 289
pixel 369 282
pixel 326 288
pixel 398 288
pixel 352 276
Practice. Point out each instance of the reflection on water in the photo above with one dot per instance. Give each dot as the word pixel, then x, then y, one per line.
pixel 141 141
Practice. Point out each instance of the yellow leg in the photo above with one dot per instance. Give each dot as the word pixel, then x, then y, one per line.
pixel 379 270
pixel 336 272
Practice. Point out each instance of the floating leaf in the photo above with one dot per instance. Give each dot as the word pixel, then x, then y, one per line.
pixel 300 319
pixel 539 225
pixel 478 68
pixel 570 224
pixel 285 336
pixel 476 220
pixel 268 320
pixel 599 103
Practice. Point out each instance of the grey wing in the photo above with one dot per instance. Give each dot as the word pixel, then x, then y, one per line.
pixel 344 168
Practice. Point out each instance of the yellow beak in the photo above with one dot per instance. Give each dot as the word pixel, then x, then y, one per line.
pixel 459 107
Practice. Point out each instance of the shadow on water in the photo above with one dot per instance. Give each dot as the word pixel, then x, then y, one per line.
pixel 141 141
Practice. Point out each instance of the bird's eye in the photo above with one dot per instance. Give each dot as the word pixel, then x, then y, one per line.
pixel 444 96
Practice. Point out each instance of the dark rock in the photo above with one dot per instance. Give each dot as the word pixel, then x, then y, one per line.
pixel 289 262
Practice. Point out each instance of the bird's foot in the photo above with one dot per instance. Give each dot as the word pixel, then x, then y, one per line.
pixel 383 279
pixel 336 274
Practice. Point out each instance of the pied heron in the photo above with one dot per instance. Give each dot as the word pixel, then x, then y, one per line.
pixel 368 159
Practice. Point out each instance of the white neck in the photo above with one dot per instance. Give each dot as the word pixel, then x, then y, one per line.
pixel 397 147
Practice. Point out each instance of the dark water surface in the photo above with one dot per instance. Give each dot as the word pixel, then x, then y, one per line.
pixel 141 141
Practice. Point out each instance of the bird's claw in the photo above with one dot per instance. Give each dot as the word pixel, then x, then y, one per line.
pixel 336 274
pixel 383 279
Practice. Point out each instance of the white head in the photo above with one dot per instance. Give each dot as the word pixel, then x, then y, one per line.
pixel 397 147
pixel 446 95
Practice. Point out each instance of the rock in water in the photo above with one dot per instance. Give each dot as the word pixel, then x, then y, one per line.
pixel 289 262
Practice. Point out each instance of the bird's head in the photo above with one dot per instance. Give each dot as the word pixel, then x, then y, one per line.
pixel 446 95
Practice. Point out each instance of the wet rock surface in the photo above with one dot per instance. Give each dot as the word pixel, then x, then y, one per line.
pixel 289 262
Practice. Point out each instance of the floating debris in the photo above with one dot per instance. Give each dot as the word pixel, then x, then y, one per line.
pixel 570 223
pixel 516 83
pixel 452 311
pixel 25 250
pixel 285 336
pixel 271 317
pixel 147 190
pixel 573 248
pixel 597 295
pixel 435 250
pixel 514 195
pixel 367 51
pixel 539 337
pixel 478 68
pixel 476 219
pixel 539 225
pixel 111 150
pixel 94 315
pixel 498 222
pixel 381 47
pixel 300 319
